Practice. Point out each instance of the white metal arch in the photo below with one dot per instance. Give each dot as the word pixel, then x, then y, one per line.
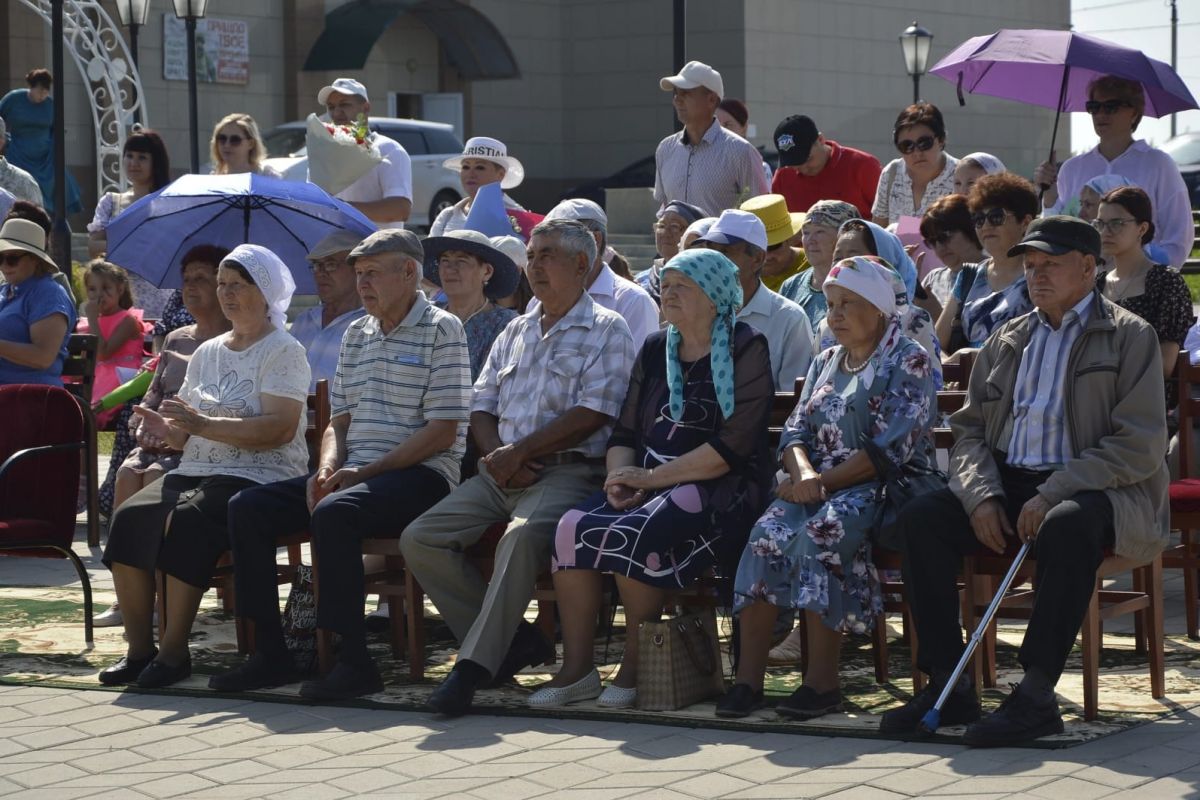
pixel 96 45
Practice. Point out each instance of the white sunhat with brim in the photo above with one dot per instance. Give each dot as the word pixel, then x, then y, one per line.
pixel 505 273
pixel 26 236
pixel 486 148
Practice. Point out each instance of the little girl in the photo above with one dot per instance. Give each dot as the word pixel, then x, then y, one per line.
pixel 118 327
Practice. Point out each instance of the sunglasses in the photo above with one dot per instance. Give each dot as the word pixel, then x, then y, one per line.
pixel 940 238
pixel 1111 225
pixel 994 217
pixel 12 259
pixel 233 139
pixel 1107 106
pixel 923 144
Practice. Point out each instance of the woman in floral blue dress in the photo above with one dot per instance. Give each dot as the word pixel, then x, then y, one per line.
pixel 811 549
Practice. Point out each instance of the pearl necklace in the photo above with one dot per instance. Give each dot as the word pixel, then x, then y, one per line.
pixel 849 370
pixel 468 318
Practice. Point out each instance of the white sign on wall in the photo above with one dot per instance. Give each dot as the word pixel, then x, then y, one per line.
pixel 222 50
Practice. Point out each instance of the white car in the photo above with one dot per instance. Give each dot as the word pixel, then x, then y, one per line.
pixel 428 145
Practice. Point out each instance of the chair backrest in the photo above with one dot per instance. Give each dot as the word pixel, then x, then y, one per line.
pixel 80 365
pixel 317 420
pixel 957 374
pixel 42 487
pixel 1188 379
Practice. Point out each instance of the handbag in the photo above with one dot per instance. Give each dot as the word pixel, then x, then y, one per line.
pixel 679 661
pixel 897 486
pixel 300 621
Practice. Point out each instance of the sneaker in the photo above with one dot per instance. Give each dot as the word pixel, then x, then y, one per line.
pixel 961 708
pixel 807 703
pixel 111 618
pixel 1019 719
pixel 740 701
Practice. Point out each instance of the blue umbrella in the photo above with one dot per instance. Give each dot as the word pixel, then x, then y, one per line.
pixel 287 217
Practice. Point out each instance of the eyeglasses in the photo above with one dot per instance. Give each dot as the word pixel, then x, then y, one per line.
pixel 233 139
pixel 942 237
pixel 1107 106
pixel 12 259
pixel 923 144
pixel 1111 225
pixel 326 266
pixel 993 216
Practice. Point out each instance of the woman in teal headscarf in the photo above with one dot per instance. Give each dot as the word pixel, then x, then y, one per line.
pixel 689 470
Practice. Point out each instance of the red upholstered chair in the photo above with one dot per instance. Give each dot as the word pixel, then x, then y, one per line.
pixel 1185 498
pixel 41 437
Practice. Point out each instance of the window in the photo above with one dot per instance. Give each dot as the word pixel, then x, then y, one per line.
pixel 410 139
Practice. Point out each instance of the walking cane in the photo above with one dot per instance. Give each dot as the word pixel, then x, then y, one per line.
pixel 929 723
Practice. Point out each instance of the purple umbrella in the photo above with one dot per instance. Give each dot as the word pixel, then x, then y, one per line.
pixel 1053 69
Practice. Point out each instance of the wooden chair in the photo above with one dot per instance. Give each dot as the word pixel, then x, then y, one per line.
pixel 1185 498
pixel 80 368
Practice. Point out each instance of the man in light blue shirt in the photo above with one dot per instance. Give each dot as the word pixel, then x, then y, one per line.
pixel 320 329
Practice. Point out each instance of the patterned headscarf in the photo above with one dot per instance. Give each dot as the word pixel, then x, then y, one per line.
pixel 1103 184
pixel 831 213
pixel 880 285
pixel 271 276
pixel 717 277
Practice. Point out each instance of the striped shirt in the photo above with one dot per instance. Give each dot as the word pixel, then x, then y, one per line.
pixel 322 344
pixel 392 383
pixel 1040 437
pixel 531 379
pixel 722 171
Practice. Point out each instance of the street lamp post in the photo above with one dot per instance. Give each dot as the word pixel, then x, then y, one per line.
pixel 915 43
pixel 134 14
pixel 189 11
pixel 60 233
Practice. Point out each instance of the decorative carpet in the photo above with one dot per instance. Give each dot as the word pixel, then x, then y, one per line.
pixel 41 643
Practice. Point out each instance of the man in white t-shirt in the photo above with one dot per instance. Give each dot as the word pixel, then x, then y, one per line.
pixel 383 195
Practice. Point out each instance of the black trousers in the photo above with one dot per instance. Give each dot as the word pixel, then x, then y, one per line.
pixel 380 506
pixel 1069 548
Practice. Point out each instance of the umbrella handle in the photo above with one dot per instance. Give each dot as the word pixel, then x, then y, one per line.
pixel 1062 96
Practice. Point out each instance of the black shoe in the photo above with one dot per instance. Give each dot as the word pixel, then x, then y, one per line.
pixel 962 707
pixel 156 675
pixel 377 623
pixel 259 672
pixel 344 682
pixel 528 648
pixel 453 696
pixel 1019 719
pixel 807 703
pixel 740 701
pixel 126 670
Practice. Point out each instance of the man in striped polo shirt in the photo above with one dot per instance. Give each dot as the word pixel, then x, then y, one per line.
pixel 1062 443
pixel 393 448
pixel 542 411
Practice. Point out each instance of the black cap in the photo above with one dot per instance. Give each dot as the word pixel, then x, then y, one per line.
pixel 1057 235
pixel 794 138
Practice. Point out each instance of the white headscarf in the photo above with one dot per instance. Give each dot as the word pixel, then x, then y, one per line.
pixel 270 275
pixel 986 161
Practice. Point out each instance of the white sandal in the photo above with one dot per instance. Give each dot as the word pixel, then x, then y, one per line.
pixel 586 688
pixel 617 697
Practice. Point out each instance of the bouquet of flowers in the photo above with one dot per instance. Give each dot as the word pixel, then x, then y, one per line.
pixel 338 155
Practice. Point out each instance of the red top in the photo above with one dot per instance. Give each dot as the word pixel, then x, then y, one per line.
pixel 850 175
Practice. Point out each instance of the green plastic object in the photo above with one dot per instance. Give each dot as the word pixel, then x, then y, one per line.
pixel 135 387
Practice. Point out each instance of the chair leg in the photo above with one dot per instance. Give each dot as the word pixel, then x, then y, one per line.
pixel 1191 591
pixel 545 622
pixel 1140 634
pixel 92 471
pixel 87 592
pixel 324 637
pixel 910 634
pixel 1154 627
pixel 1091 657
pixel 879 648
pixel 414 613
pixel 160 602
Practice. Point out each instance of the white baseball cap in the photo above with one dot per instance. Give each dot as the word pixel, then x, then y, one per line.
pixel 735 226
pixel 579 209
pixel 693 74
pixel 343 86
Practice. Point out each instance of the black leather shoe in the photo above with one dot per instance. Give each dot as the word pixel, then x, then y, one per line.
pixel 962 707
pixel 807 703
pixel 156 675
pixel 739 701
pixel 528 648
pixel 1019 719
pixel 125 670
pixel 259 672
pixel 344 682
pixel 453 697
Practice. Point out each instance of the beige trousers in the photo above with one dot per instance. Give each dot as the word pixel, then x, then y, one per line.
pixel 484 615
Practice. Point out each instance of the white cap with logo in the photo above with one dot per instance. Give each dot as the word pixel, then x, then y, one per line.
pixel 343 86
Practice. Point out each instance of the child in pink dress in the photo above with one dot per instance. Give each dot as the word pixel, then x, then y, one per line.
pixel 110 315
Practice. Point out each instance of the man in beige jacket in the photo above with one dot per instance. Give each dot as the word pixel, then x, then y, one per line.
pixel 1061 442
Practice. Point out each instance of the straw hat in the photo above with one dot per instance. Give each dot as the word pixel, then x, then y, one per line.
pixel 772 209
pixel 21 234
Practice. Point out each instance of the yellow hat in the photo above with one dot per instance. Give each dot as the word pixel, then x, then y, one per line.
pixel 772 209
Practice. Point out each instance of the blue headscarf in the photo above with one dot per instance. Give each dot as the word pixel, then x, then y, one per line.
pixel 717 277
pixel 891 249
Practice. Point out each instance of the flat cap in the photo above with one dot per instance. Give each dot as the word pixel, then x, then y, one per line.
pixel 340 241
pixel 389 240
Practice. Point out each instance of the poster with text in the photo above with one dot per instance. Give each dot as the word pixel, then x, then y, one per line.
pixel 222 50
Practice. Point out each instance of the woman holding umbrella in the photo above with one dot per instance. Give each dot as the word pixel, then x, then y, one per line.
pixel 1116 106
